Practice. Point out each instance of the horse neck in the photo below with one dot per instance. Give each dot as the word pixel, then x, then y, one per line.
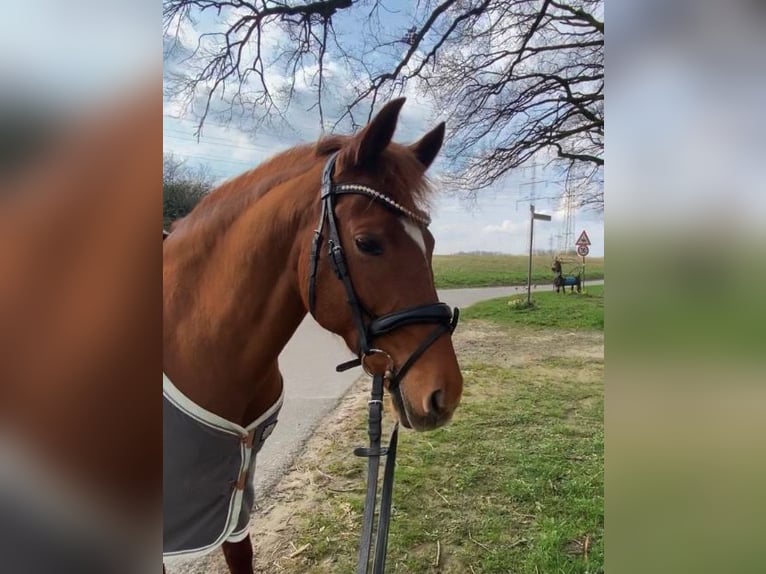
pixel 232 302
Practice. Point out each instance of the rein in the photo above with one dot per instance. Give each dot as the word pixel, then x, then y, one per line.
pixel 433 313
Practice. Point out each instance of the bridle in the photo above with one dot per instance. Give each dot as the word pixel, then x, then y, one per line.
pixel 438 314
pixel 434 313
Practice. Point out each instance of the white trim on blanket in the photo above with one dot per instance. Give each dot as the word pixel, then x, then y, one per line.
pixel 211 419
pixel 239 536
pixel 186 405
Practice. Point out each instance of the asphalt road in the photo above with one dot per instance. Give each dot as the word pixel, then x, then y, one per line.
pixel 313 388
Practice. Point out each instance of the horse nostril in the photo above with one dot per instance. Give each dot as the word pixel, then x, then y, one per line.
pixel 436 403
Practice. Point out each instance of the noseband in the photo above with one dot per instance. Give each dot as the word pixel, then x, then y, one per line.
pixel 433 313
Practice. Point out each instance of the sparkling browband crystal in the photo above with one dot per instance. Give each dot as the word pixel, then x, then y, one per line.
pixel 379 196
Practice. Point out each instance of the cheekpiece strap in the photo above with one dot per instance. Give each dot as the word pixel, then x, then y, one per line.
pixel 327 172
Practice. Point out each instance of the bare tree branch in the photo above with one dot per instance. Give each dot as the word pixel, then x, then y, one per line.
pixel 517 80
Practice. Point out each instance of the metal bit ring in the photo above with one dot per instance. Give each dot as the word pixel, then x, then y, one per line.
pixel 389 368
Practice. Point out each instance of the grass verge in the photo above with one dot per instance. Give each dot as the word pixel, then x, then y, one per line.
pixel 563 311
pixel 513 485
pixel 480 270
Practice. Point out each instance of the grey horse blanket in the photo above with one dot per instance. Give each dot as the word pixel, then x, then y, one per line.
pixel 208 465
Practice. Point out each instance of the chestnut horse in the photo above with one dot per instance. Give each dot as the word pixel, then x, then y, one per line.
pixel 237 272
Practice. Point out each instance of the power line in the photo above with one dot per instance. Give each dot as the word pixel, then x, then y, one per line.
pixel 205 137
pixel 209 158
pixel 225 141
pixel 300 126
pixel 262 148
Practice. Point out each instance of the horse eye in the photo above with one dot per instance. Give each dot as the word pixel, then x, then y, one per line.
pixel 369 246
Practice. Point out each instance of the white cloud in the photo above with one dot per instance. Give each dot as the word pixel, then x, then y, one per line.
pixel 173 107
pixel 507 226
pixel 185 35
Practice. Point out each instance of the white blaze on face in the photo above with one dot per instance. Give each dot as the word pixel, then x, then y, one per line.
pixel 415 232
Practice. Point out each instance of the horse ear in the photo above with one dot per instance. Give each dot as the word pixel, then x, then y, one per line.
pixel 376 135
pixel 429 145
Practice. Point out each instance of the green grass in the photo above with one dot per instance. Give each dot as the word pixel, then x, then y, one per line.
pixel 513 485
pixel 564 311
pixel 480 270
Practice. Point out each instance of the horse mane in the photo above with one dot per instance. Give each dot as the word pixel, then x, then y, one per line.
pixel 400 173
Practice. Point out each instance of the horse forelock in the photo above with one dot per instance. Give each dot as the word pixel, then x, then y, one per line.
pixel 398 172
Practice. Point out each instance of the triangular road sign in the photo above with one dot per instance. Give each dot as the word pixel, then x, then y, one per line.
pixel 583 239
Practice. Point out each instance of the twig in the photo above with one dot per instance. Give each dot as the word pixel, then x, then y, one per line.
pixel 471 567
pixel 274 553
pixel 586 546
pixel 519 541
pixel 301 549
pixel 471 538
pixel 438 554
pixel 327 476
pixel 441 495
pixel 350 489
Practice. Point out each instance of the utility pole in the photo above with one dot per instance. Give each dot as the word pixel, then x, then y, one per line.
pixel 532 217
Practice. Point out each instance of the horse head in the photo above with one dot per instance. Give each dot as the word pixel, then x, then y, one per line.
pixel 379 211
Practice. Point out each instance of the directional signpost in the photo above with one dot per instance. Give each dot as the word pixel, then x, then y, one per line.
pixel 533 216
pixel 582 250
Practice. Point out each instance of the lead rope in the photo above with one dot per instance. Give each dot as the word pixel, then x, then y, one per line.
pixel 373 454
pixel 386 499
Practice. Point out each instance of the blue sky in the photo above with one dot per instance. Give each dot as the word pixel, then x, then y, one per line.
pixel 497 220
